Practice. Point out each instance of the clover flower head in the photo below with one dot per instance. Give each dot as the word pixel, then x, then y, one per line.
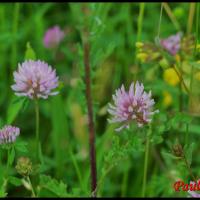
pixel 8 134
pixel 35 79
pixel 24 166
pixel 194 194
pixel 133 105
pixel 172 44
pixel 53 37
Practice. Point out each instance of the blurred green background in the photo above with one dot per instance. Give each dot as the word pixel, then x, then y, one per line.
pixel 114 30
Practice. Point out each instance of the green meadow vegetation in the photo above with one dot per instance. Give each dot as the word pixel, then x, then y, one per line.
pixel 99 99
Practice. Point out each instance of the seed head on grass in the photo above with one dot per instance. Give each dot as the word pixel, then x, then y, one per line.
pixel 134 105
pixel 35 79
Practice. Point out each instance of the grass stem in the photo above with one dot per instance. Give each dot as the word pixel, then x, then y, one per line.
pixel 146 163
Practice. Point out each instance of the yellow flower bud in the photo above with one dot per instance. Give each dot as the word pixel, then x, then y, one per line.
pixel 170 76
pixel 198 46
pixel 139 44
pixel 177 58
pixel 155 55
pixel 142 57
pixel 197 76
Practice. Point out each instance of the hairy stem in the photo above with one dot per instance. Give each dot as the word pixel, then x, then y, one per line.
pixel 86 49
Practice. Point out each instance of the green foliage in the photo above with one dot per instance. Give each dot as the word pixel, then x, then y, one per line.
pixel 21 146
pixel 48 184
pixel 15 181
pixel 3 192
pixel 29 53
pixel 11 156
pixel 16 105
pixel 188 149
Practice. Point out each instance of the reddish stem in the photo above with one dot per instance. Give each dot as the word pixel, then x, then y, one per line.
pixel 86 48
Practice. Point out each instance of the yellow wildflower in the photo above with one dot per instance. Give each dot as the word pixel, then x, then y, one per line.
pixel 171 77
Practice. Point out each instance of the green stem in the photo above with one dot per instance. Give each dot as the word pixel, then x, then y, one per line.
pixel 37 117
pixel 14 32
pixel 180 89
pixel 181 79
pixel 197 28
pixel 7 164
pixel 159 24
pixel 187 134
pixel 140 20
pixel 78 172
pixel 32 190
pixel 0 157
pixel 194 53
pixel 190 17
pixel 171 16
pixel 101 181
pixel 139 28
pixel 124 183
pixel 146 163
pixel 189 168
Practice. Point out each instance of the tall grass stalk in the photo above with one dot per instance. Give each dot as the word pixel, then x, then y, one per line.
pixel 190 17
pixel 146 163
pixel 194 53
pixel 171 16
pixel 14 33
pixel 160 19
pixel 140 21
